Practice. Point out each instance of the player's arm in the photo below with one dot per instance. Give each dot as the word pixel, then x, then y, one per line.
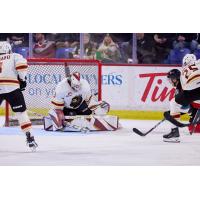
pixel 56 112
pixel 95 106
pixel 21 67
pixel 58 100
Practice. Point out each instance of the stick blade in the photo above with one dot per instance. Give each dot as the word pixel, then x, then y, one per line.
pixel 138 132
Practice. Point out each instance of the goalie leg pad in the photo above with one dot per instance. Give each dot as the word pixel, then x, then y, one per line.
pixel 93 122
pixel 57 117
pixel 48 125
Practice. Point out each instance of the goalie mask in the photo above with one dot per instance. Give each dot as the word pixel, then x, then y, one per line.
pixel 189 59
pixel 75 81
pixel 5 48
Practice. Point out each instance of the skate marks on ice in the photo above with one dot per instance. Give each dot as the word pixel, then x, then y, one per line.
pixel 119 148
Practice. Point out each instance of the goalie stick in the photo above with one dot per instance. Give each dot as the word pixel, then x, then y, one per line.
pixel 137 131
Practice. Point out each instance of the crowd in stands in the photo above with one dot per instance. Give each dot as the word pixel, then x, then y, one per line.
pixel 166 48
pixel 152 48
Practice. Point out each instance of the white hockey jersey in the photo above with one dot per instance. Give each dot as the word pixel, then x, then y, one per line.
pixel 64 94
pixel 11 66
pixel 190 76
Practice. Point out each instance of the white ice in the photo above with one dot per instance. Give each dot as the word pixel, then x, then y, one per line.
pixel 119 148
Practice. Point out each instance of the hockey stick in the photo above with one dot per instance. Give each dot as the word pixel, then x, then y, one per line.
pixel 137 131
pixel 79 128
pixel 195 121
pixel 169 118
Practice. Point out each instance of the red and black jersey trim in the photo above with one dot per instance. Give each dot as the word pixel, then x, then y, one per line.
pixel 196 76
pixel 9 81
pixel 57 104
pixel 21 67
pixel 26 126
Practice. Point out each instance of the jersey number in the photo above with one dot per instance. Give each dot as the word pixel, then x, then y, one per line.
pixel 1 65
pixel 187 72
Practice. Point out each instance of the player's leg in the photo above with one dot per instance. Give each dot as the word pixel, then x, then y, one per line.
pixel 18 106
pixel 175 112
pixel 194 117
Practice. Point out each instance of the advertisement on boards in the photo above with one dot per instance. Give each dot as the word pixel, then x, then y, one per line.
pixel 137 87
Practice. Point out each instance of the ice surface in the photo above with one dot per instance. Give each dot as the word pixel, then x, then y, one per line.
pixel 119 148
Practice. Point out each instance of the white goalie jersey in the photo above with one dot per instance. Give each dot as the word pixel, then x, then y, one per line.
pixel 190 76
pixel 64 94
pixel 12 66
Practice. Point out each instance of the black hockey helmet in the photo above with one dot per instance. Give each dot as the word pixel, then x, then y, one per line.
pixel 174 76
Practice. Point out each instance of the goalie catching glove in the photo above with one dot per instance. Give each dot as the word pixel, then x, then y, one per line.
pixel 76 101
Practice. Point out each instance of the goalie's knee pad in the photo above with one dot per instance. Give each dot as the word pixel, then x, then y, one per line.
pixel 57 117
pixel 24 121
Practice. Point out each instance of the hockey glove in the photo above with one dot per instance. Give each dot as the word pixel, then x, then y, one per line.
pixel 76 101
pixel 22 84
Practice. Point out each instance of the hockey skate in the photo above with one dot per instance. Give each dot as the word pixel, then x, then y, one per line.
pixel 173 136
pixel 31 141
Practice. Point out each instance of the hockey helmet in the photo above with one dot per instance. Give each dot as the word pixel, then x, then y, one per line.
pixel 75 81
pixel 189 59
pixel 174 76
pixel 5 47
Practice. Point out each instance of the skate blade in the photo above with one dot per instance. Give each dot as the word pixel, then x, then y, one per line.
pixel 33 149
pixel 172 140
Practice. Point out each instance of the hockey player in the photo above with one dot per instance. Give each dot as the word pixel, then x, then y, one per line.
pixel 73 97
pixel 190 81
pixel 176 109
pixel 13 70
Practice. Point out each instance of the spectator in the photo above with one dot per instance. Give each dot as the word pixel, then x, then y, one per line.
pixel 66 40
pixel 19 39
pixel 186 40
pixel 109 50
pixel 163 44
pixel 97 37
pixel 5 37
pixel 145 48
pixel 126 50
pixel 125 42
pixel 43 48
pixel 90 48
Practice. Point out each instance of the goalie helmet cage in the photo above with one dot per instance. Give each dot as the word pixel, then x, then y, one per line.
pixel 43 76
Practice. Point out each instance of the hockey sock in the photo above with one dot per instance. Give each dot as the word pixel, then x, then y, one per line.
pixel 24 121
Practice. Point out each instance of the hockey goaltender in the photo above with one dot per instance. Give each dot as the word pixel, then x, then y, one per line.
pixel 75 108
